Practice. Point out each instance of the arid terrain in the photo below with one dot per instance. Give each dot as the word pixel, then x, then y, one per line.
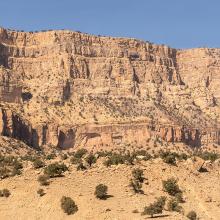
pixel 129 104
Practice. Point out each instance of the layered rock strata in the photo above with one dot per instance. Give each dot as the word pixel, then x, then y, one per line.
pixel 70 89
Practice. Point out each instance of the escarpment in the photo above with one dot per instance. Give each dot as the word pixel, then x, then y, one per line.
pixel 67 89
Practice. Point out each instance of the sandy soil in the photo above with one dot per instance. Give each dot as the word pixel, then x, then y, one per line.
pixel 200 190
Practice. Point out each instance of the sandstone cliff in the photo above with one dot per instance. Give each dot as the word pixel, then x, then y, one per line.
pixel 69 89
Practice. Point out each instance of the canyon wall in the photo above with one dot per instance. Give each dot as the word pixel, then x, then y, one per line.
pixel 42 74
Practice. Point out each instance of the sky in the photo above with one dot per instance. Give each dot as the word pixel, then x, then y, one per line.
pixel 177 23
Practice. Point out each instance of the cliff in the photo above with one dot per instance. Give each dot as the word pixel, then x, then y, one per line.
pixel 69 89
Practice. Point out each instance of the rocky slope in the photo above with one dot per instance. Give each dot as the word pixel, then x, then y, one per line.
pixel 68 89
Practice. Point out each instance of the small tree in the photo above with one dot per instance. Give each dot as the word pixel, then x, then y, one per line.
pixel 138 175
pixel 156 207
pixel 68 205
pixel 170 186
pixel 55 169
pixel 43 180
pixel 101 191
pixel 192 215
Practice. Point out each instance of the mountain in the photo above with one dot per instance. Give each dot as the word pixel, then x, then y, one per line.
pixel 69 89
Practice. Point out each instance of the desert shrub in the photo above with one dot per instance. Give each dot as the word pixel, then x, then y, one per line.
pixel 144 153
pixel 38 163
pixel 170 159
pixel 192 215
pixel 80 153
pixel 101 191
pixel 182 156
pixel 114 159
pixel 129 158
pixel 41 192
pixel 138 175
pixel 4 172
pixel 173 205
pixel 75 160
pixel 179 197
pixel 43 180
pixel 90 159
pixel 9 166
pixel 155 208
pixel 68 205
pixel 50 156
pixel 55 169
pixel 5 193
pixel 17 165
pixel 171 187
pixel 136 186
pixel 103 153
pixel 117 158
pixel 81 166
pixel 28 157
pixel 208 155
pixel 15 171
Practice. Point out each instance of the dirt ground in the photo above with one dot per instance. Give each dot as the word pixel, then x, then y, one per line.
pixel 200 190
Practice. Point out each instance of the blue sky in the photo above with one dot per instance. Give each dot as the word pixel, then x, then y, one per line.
pixel 178 23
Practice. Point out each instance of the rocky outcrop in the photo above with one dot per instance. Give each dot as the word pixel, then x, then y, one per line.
pixel 99 136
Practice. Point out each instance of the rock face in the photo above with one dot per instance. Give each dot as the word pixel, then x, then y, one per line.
pixel 69 89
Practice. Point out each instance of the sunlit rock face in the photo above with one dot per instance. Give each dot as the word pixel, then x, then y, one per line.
pixel 67 89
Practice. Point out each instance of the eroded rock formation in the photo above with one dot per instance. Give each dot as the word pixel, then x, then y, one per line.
pixel 69 89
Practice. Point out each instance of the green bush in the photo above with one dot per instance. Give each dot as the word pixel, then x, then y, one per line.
pixel 155 208
pixel 138 175
pixel 173 205
pixel 80 153
pixel 38 163
pixel 192 215
pixel 90 159
pixel 55 169
pixel 5 193
pixel 101 191
pixel 43 180
pixel 171 187
pixel 68 205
